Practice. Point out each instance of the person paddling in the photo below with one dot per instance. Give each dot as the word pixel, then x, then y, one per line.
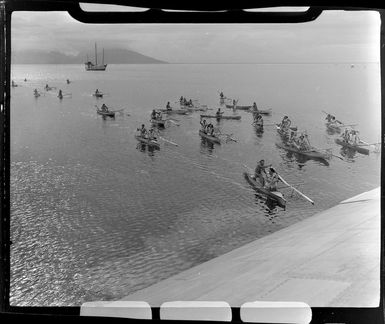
pixel 204 125
pixel 354 137
pixel 143 131
pixel 104 108
pixel 329 118
pixel 234 104
pixel 260 172
pixel 258 120
pixel 151 134
pixel 273 180
pixel 345 136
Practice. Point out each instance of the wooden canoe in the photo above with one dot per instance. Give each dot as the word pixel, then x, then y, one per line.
pixel 98 95
pixel 174 111
pixel 148 142
pixel 221 117
pixel 312 153
pixel 239 107
pixel 333 127
pixel 105 113
pixel 213 139
pixel 159 122
pixel 274 195
pixel 357 148
pixel 262 111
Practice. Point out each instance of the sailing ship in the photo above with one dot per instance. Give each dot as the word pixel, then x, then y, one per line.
pixel 95 67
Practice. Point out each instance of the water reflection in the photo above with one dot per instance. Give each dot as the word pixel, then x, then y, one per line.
pixel 207 146
pixel 266 204
pixel 348 153
pixel 258 130
pixel 332 131
pixel 150 149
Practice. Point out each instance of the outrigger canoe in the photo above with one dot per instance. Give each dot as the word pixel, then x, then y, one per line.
pixel 213 139
pixel 221 117
pixel 159 122
pixel 147 141
pixel 333 127
pixel 262 111
pixel 312 153
pixel 194 108
pixel 239 107
pixel 105 113
pixel 274 195
pixel 174 111
pixel 357 148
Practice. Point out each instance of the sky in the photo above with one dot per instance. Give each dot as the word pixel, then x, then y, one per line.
pixel 336 36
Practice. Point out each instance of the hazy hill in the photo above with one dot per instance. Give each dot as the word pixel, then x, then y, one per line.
pixel 111 56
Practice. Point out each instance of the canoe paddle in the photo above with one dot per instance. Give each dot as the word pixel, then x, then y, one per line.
pixel 228 136
pixel 332 115
pixel 174 122
pixel 168 141
pixel 296 190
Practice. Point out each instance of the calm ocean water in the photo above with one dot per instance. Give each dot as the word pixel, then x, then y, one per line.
pixel 95 217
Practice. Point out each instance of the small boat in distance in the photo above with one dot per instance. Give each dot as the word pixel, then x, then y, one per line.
pixel 95 67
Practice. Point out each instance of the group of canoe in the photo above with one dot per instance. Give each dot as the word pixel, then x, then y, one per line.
pixel 349 138
pixel 295 143
pixel 207 131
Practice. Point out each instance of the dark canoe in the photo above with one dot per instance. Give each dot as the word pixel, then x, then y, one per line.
pixel 174 111
pixel 158 122
pixel 284 135
pixel 359 149
pixel 194 108
pixel 239 107
pixel 262 111
pixel 221 117
pixel 105 113
pixel 310 153
pixel 98 95
pixel 333 127
pixel 148 142
pixel 274 195
pixel 213 139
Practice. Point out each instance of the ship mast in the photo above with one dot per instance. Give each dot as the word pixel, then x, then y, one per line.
pixel 96 56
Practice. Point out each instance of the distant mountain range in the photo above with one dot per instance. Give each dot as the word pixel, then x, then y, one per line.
pixel 111 56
